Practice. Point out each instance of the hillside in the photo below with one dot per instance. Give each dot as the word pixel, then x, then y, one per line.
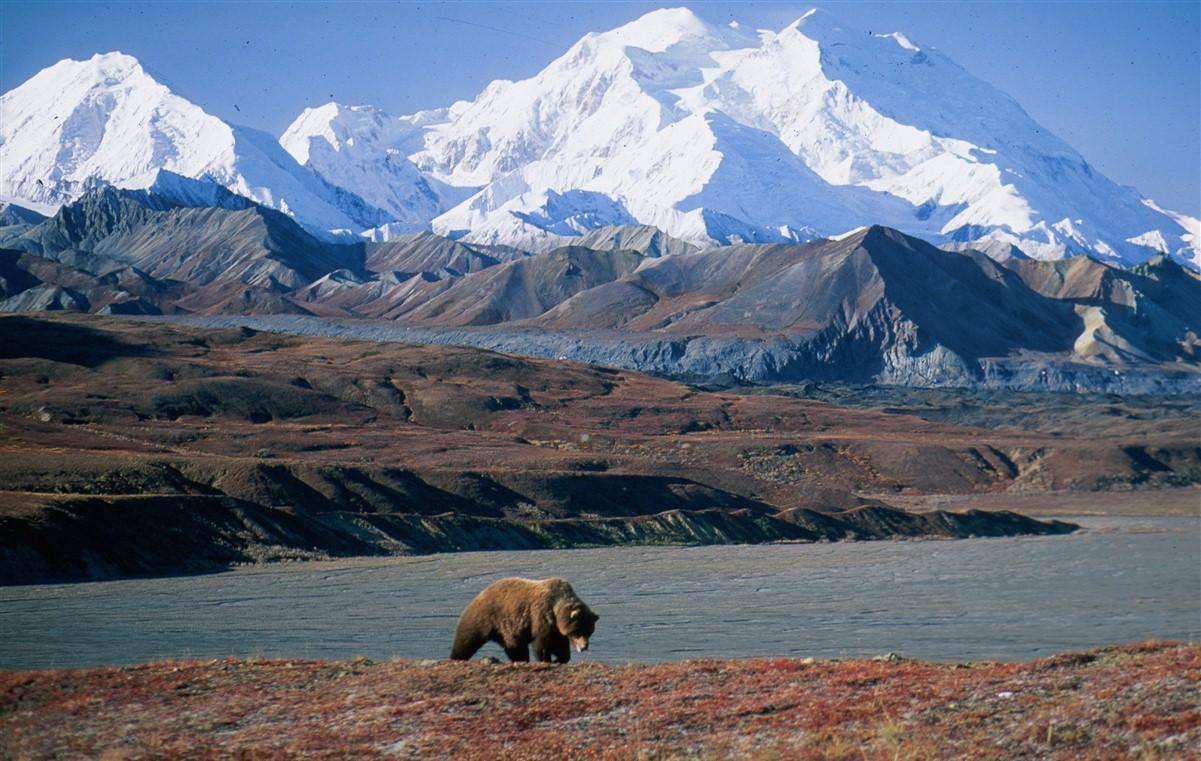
pixel 120 437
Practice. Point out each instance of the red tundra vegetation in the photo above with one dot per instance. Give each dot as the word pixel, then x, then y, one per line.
pixel 1130 701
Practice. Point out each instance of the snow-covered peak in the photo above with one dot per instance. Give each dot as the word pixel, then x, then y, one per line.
pixel 816 127
pixel 363 149
pixel 115 64
pixel 105 120
pixel 339 127
pixel 111 67
pixel 80 121
pixel 661 29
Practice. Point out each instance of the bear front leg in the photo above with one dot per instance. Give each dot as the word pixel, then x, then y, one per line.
pixel 518 653
pixel 561 650
pixel 552 649
pixel 467 642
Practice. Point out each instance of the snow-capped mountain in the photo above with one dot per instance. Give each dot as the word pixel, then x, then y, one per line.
pixel 713 134
pixel 79 124
pixel 363 148
pixel 716 134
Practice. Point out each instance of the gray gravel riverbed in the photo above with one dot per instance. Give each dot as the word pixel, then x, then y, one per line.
pixel 1119 580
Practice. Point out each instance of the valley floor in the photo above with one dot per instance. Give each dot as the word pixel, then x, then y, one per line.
pixel 1131 701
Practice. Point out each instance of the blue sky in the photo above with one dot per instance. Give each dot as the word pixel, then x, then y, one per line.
pixel 1121 82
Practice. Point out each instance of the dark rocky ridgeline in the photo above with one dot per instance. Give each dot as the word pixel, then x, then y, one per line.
pixel 876 306
pixel 16 219
pixel 646 240
pixel 426 252
pixel 91 538
pixel 142 252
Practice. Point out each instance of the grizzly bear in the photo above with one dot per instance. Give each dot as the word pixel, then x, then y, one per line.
pixel 515 613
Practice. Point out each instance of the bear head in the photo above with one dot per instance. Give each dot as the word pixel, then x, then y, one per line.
pixel 576 622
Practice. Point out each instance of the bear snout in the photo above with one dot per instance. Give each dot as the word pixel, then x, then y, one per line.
pixel 579 643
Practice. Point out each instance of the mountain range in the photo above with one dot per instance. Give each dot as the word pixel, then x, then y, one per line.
pixel 714 135
pixel 874 305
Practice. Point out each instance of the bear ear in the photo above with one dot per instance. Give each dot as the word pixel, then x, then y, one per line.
pixel 575 613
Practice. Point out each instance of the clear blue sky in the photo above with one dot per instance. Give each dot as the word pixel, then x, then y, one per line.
pixel 1121 82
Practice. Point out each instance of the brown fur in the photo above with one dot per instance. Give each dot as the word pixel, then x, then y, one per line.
pixel 516 613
